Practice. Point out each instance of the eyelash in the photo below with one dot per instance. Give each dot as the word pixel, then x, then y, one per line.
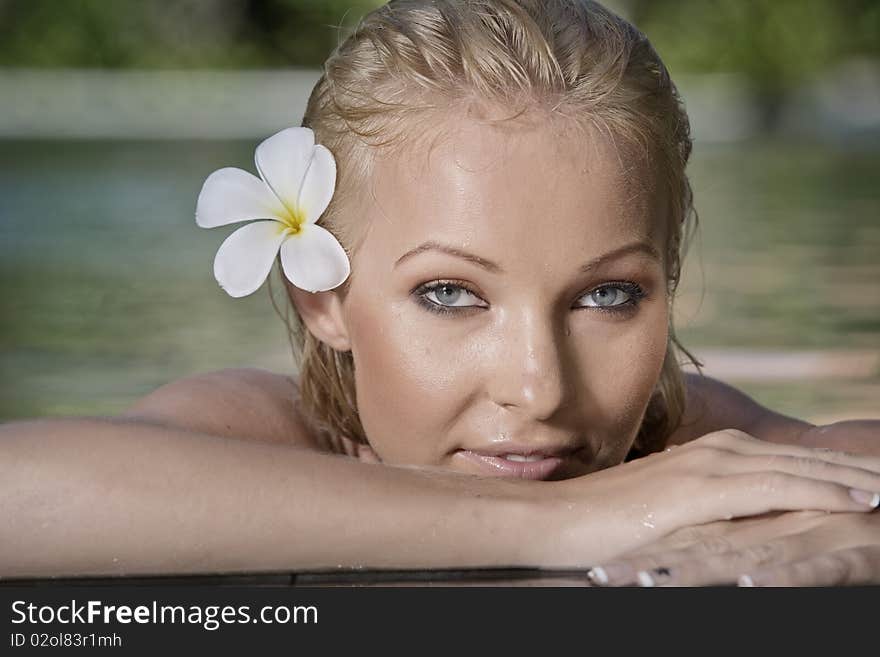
pixel 633 290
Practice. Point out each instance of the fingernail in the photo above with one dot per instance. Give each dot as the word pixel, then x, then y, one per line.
pixel 660 576
pixel 597 576
pixel 745 580
pixel 864 497
pixel 613 575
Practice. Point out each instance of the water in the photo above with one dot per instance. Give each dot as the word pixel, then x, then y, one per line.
pixel 789 259
pixel 108 291
pixel 790 248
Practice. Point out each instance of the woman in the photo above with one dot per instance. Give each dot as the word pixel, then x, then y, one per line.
pixel 483 324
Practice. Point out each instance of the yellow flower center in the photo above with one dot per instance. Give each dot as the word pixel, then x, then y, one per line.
pixel 292 220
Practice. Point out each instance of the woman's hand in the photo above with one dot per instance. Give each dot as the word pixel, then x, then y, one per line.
pixel 721 476
pixel 806 548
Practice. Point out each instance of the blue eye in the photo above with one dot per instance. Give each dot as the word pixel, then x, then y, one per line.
pixel 613 296
pixel 447 297
pixel 441 296
pixel 608 296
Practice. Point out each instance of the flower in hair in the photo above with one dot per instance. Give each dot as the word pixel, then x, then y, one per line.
pixel 297 181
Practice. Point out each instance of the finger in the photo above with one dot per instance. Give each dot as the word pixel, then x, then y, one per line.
pixel 658 568
pixel 786 539
pixel 713 560
pixel 858 565
pixel 755 493
pixel 727 567
pixel 720 552
pixel 802 466
pixel 743 443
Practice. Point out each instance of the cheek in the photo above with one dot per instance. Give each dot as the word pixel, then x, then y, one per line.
pixel 409 382
pixel 623 370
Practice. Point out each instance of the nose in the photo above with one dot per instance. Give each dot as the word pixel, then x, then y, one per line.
pixel 529 371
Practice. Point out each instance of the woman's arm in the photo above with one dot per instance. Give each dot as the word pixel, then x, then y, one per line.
pixel 140 496
pixel 712 405
pixel 96 497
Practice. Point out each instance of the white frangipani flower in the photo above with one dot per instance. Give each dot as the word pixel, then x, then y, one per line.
pixel 298 181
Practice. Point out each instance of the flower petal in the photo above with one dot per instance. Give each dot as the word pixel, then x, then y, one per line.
pixel 314 260
pixel 230 195
pixel 282 161
pixel 245 259
pixel 319 184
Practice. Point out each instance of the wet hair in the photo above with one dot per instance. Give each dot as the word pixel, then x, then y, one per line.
pixel 570 58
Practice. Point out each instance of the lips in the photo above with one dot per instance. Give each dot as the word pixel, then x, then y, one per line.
pixel 534 466
pixel 528 451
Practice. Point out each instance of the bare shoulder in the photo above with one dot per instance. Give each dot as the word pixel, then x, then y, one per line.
pixel 712 405
pixel 249 404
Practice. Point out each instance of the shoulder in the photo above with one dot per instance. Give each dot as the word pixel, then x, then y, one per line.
pixel 712 405
pixel 250 404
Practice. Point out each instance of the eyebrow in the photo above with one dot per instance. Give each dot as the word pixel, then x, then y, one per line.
pixel 635 247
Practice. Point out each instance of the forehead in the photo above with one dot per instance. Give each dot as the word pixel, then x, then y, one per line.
pixel 538 189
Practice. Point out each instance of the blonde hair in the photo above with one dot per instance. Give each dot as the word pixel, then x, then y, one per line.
pixel 573 58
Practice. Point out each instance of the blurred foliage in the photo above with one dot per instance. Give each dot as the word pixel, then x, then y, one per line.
pixel 173 33
pixel 777 43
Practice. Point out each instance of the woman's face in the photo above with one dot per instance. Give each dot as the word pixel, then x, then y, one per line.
pixel 507 311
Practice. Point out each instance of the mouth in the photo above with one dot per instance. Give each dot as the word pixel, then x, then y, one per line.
pixel 535 466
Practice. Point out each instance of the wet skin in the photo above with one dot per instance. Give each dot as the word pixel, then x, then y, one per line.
pixel 509 295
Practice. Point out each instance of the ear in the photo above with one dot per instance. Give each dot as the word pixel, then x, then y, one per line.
pixel 322 314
